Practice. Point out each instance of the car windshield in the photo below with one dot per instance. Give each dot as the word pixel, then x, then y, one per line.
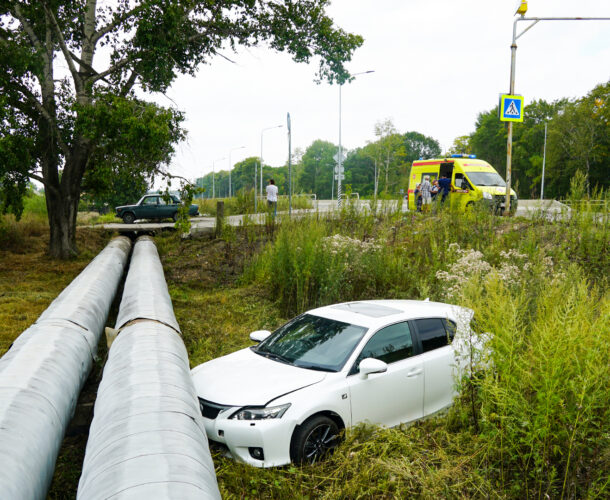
pixel 312 342
pixel 486 179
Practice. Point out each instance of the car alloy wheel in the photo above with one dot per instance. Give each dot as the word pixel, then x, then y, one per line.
pixel 315 439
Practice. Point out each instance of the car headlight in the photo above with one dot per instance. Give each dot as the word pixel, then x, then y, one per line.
pixel 487 195
pixel 260 413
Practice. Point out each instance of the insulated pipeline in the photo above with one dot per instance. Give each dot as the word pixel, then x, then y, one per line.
pixel 43 373
pixel 147 439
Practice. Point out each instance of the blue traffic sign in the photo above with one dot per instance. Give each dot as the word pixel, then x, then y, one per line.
pixel 511 108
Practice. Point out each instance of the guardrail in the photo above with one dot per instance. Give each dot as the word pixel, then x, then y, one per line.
pixel 43 373
pixel 352 195
pixel 147 438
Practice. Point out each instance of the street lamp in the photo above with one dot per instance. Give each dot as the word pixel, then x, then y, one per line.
pixel 214 176
pixel 262 131
pixel 231 165
pixel 513 56
pixel 340 155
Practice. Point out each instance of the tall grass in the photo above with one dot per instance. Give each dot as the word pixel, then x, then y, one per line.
pixel 538 411
pixel 544 399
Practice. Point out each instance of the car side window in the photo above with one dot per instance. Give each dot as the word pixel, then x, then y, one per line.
pixel 151 200
pixel 432 333
pixel 450 328
pixel 390 344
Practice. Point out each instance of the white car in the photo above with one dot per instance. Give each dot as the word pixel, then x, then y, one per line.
pixel 288 398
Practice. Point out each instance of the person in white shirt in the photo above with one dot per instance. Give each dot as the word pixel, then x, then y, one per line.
pixel 272 196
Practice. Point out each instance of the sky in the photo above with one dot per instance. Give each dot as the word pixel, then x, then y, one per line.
pixel 436 63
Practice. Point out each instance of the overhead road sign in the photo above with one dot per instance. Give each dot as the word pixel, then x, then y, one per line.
pixel 511 108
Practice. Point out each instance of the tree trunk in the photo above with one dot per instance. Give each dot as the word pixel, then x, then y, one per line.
pixel 62 209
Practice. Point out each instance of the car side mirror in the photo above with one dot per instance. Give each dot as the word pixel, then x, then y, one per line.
pixel 372 365
pixel 458 183
pixel 259 335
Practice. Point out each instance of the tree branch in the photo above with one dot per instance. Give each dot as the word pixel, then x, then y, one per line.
pixel 64 48
pixel 129 83
pixel 86 66
pixel 121 64
pixel 27 28
pixel 114 24
pixel 29 95
pixel 43 182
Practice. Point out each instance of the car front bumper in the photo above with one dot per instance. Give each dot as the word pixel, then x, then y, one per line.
pixel 241 436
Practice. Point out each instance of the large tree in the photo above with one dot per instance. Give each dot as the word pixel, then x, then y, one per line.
pixel 66 111
pixel 318 166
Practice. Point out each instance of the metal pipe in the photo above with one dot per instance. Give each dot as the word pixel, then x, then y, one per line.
pixel 43 373
pixel 147 438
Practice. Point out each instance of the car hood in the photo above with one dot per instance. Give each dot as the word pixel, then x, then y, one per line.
pixel 244 378
pixel 496 190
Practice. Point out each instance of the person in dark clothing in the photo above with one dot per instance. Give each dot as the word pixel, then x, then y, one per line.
pixel 418 198
pixel 445 186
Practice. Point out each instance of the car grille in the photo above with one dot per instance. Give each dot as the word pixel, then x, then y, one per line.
pixel 211 410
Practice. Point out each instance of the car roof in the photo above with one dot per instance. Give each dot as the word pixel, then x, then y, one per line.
pixel 376 313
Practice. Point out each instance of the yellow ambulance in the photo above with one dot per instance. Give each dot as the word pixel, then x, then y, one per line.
pixel 472 180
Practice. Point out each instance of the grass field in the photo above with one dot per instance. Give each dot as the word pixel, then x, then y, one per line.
pixel 533 425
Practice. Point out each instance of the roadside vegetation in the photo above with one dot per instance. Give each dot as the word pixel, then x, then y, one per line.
pixel 531 421
pixel 243 203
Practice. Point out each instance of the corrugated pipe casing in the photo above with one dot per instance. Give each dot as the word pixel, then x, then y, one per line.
pixel 43 372
pixel 147 439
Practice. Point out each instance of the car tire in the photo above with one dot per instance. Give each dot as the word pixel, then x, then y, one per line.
pixel 128 218
pixel 175 216
pixel 314 439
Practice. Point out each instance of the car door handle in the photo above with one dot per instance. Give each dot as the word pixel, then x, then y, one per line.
pixel 414 373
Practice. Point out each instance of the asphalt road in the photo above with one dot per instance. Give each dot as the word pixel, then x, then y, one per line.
pixel 550 209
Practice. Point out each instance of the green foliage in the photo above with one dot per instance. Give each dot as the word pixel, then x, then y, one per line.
pixel 578 139
pixel 89 122
pixel 543 400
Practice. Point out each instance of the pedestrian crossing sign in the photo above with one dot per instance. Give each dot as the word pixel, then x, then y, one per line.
pixel 511 108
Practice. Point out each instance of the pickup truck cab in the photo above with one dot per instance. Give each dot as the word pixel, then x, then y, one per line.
pixel 153 206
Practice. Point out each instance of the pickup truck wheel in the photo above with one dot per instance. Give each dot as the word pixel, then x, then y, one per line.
pixel 128 218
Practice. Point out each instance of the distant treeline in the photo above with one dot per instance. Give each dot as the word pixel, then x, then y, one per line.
pixel 578 138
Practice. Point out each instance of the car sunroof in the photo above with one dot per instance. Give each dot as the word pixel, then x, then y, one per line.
pixel 372 310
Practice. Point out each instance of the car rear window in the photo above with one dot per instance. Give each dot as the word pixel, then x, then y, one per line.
pixel 435 332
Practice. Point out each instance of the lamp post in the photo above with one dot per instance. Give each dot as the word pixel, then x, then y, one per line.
pixel 289 164
pixel 231 165
pixel 340 154
pixel 543 164
pixel 513 56
pixel 214 176
pixel 261 169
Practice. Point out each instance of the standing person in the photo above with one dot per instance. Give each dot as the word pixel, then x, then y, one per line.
pixel 426 196
pixel 417 195
pixel 445 185
pixel 272 196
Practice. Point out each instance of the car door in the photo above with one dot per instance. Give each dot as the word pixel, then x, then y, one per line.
pixel 461 196
pixel 164 210
pixel 438 359
pixel 393 396
pixel 148 207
